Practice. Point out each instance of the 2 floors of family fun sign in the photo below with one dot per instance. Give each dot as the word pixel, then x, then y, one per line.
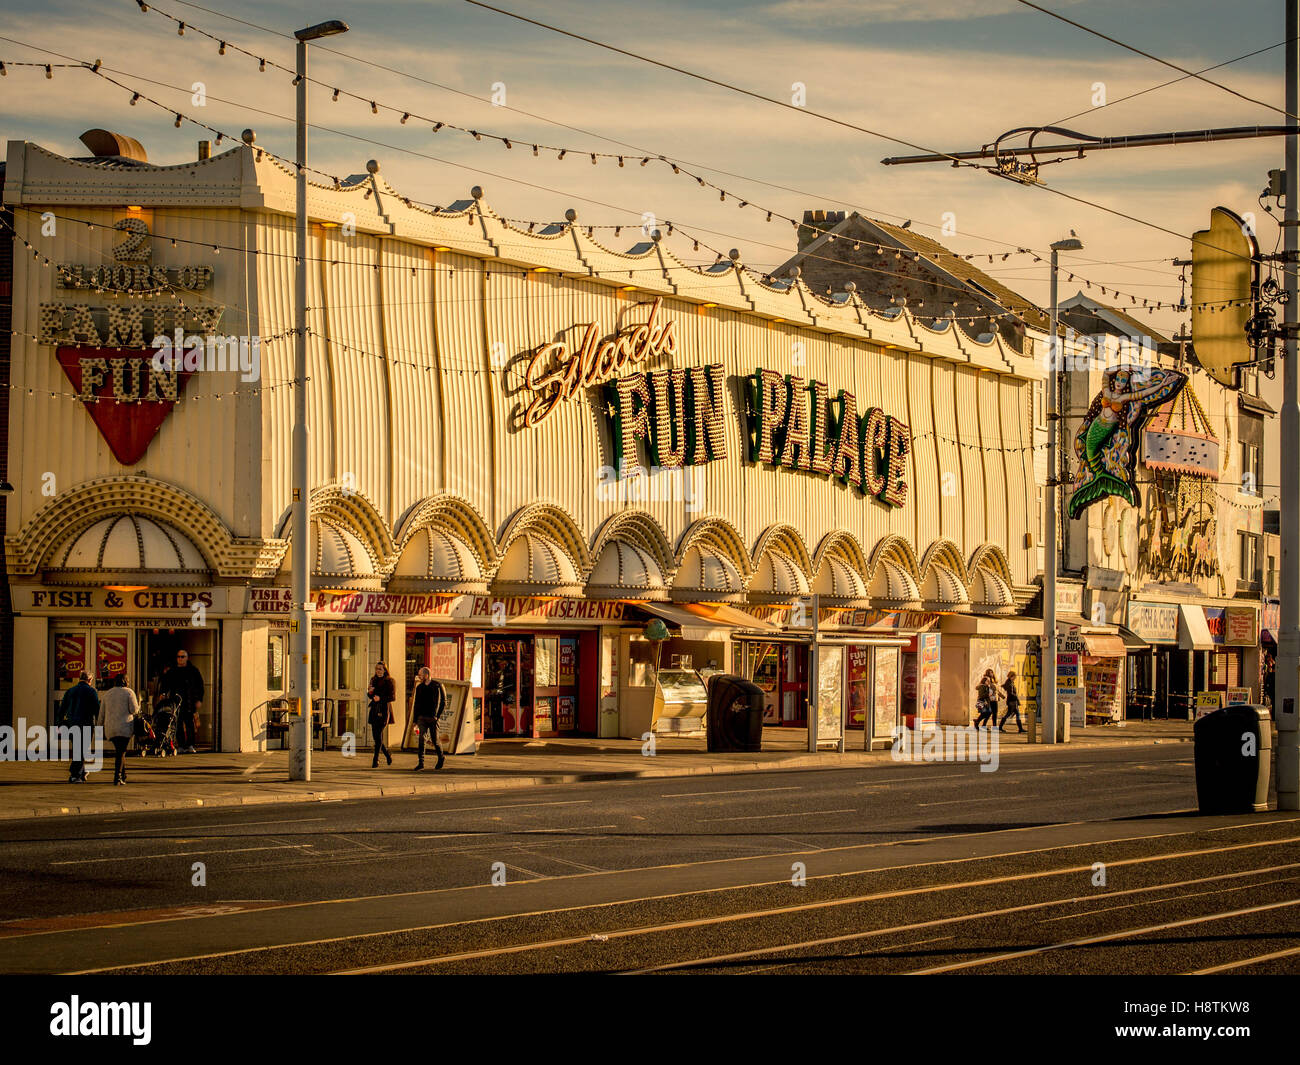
pixel 672 418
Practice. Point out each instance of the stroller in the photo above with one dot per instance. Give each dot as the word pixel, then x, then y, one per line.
pixel 158 736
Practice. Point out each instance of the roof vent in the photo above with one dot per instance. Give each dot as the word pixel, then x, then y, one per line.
pixel 105 144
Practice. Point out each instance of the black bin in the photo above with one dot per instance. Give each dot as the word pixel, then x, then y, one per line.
pixel 1233 751
pixel 735 714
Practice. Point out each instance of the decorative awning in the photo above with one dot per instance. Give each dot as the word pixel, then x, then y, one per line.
pixel 626 571
pixel 839 584
pixel 894 586
pixel 536 565
pixel 991 594
pixel 341 559
pixel 778 579
pixel 707 575
pixel 435 560
pixel 943 589
pixel 128 549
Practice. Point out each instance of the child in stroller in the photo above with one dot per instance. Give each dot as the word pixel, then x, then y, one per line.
pixel 159 735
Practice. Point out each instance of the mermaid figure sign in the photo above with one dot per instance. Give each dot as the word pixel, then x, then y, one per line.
pixel 1106 444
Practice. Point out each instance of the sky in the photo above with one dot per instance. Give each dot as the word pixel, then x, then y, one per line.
pixel 941 74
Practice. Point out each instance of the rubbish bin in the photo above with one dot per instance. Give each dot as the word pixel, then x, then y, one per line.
pixel 735 715
pixel 1233 752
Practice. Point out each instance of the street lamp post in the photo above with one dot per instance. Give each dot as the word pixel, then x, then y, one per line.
pixel 1047 672
pixel 300 619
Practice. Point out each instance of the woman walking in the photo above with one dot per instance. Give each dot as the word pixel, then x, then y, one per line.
pixel 382 692
pixel 986 701
pixel 121 708
pixel 1013 703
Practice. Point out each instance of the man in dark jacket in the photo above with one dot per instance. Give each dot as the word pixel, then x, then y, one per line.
pixel 183 683
pixel 430 701
pixel 80 709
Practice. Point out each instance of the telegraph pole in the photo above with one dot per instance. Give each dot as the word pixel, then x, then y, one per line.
pixel 1288 637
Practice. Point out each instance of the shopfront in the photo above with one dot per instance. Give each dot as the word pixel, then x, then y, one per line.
pixel 519 441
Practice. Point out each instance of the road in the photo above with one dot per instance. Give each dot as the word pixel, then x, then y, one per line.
pixel 1061 861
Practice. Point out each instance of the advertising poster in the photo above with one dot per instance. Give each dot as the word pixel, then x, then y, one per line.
pixel 1240 626
pixel 830 684
pixel 565 711
pixel 885 695
pixel 568 662
pixel 927 678
pixel 1240 695
pixel 455 727
pixel 110 656
pixel 1207 702
pixel 69 655
pixel 544 714
pixel 1067 673
pixel 444 659
pixel 859 687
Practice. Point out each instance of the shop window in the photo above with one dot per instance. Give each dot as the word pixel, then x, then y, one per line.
pixel 276 649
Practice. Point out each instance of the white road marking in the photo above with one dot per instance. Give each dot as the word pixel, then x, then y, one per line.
pixel 183 854
pixel 728 791
pixel 512 806
pixel 200 828
pixel 768 817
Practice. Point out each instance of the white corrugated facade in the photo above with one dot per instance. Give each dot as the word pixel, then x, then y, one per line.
pixel 426 482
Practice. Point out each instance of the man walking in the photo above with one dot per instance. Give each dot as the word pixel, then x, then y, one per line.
pixel 183 684
pixel 121 708
pixel 80 707
pixel 429 703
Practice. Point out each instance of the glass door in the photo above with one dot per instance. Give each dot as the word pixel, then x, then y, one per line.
pixel 501 686
pixel 346 691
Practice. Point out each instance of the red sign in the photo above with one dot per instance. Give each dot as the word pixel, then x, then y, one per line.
pixel 70 654
pixel 125 396
pixel 110 656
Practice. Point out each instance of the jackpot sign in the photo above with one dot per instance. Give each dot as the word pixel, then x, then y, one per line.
pixel 672 418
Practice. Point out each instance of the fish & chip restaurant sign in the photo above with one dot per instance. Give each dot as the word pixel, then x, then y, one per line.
pixel 672 417
pixel 485 608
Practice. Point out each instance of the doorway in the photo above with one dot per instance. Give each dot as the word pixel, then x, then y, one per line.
pixel 339 689
pixel 508 680
pixel 156 652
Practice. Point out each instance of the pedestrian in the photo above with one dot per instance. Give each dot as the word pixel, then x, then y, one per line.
pixel 183 684
pixel 80 709
pixel 1013 703
pixel 986 701
pixel 382 692
pixel 427 707
pixel 121 708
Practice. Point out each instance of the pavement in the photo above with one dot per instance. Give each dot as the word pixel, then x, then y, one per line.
pixel 41 789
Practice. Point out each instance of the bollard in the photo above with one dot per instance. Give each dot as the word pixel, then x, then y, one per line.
pixel 1063 722
pixel 1031 724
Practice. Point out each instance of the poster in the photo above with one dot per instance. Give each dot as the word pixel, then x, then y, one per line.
pixel 830 685
pixel 1101 681
pixel 544 714
pixel 859 687
pixel 444 659
pixel 1240 695
pixel 110 656
pixel 885 693
pixel 1240 626
pixel 565 713
pixel 1067 673
pixel 69 655
pixel 455 727
pixel 1208 702
pixel 568 662
pixel 927 679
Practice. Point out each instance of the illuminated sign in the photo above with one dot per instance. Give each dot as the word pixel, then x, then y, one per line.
pixel 677 414
pixel 799 425
pixel 558 372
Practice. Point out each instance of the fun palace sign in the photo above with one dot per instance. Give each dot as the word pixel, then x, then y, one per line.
pixel 670 418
